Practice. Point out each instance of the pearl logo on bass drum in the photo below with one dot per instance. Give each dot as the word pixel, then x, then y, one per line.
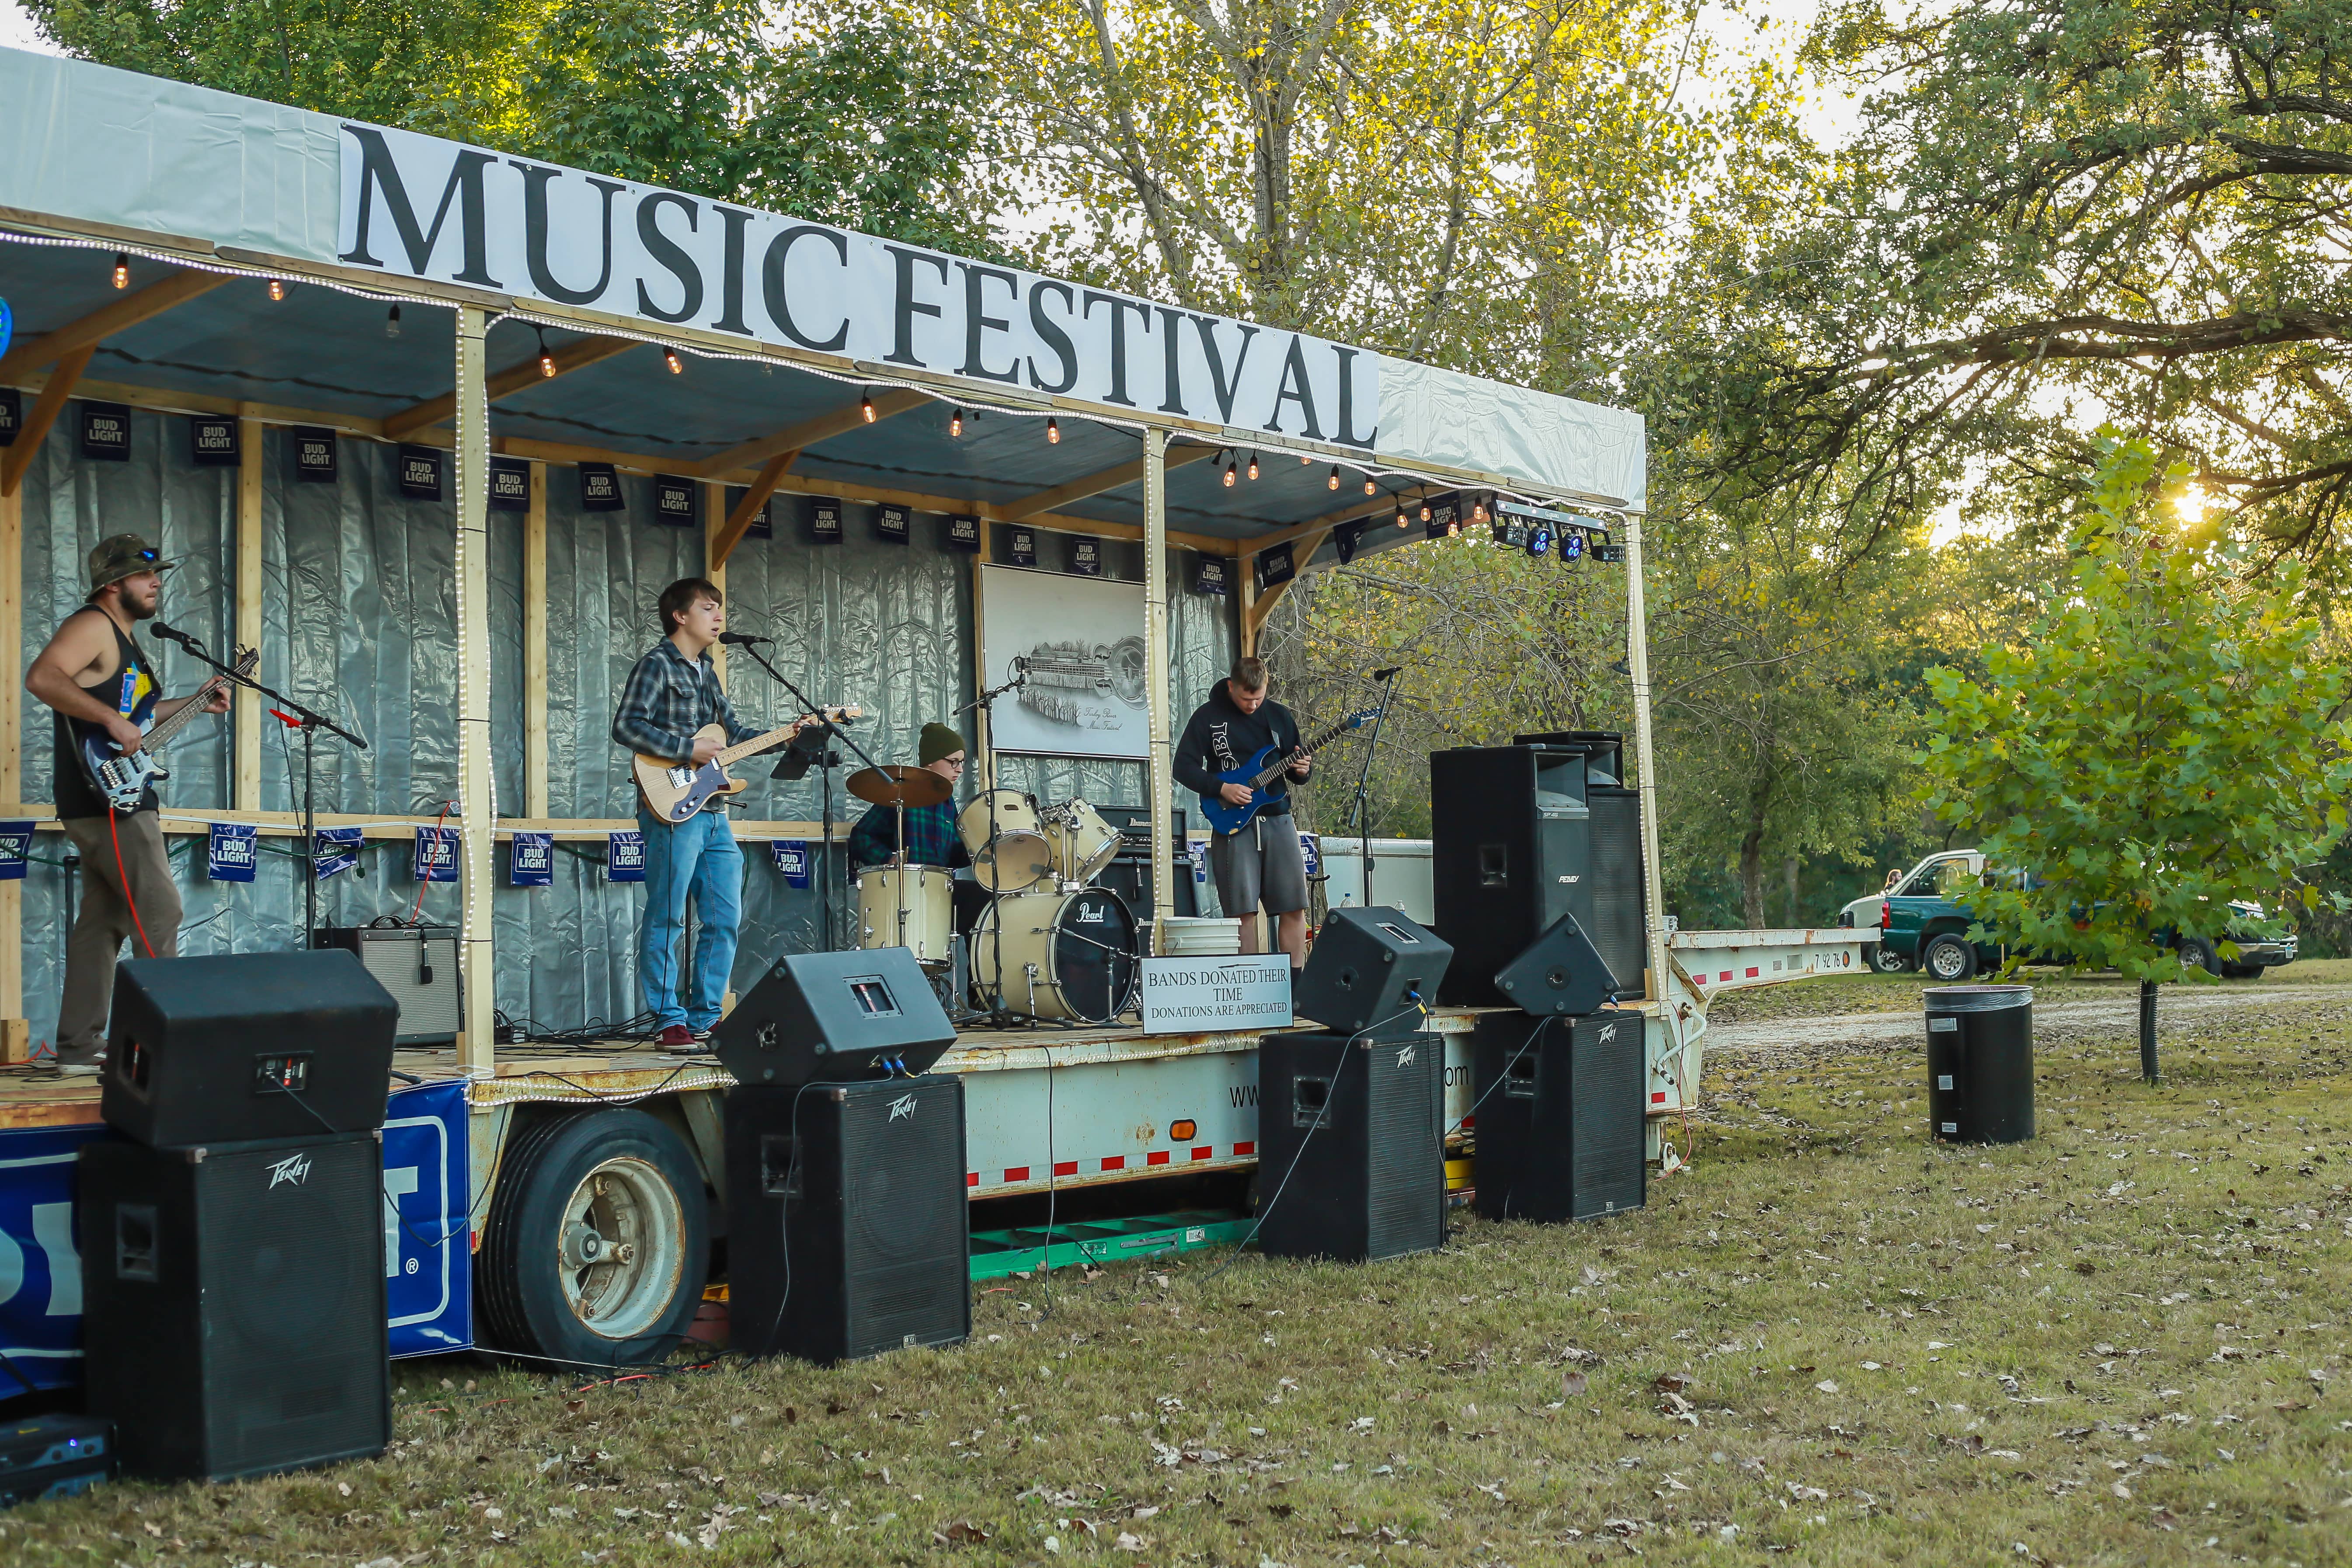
pixel 1089 915
pixel 902 1106
pixel 294 1168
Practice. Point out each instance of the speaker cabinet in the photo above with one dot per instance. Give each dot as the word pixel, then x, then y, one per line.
pixel 847 1229
pixel 1351 1151
pixel 1511 851
pixel 835 1017
pixel 1559 974
pixel 247 1046
pixel 418 966
pixel 1370 970
pixel 1617 890
pixel 1560 1119
pixel 233 1303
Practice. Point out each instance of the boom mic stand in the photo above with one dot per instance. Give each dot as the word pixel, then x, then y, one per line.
pixel 307 719
pixel 1359 816
pixel 986 703
pixel 829 760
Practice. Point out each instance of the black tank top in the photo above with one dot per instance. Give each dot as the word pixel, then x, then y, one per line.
pixel 71 788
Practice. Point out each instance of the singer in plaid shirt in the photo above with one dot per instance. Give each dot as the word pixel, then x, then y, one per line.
pixel 667 699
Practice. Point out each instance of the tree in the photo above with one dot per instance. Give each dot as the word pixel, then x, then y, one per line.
pixel 2162 743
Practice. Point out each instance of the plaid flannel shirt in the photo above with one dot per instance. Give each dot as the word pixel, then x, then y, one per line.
pixel 931 839
pixel 667 699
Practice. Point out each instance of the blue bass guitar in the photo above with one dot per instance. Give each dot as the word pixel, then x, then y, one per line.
pixel 123 780
pixel 1262 769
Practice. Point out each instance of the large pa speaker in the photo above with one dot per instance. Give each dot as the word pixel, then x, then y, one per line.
pixel 835 1017
pixel 1618 931
pixel 247 1046
pixel 233 1303
pixel 1372 970
pixel 1559 1118
pixel 1560 974
pixel 1511 851
pixel 418 966
pixel 1351 1148
pixel 847 1231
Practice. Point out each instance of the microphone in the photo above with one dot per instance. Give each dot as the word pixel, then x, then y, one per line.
pixel 1390 673
pixel 169 635
pixel 741 639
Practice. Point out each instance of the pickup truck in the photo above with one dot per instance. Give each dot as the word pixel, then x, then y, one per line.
pixel 1923 924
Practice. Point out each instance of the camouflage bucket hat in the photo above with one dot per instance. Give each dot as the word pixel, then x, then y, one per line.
pixel 124 556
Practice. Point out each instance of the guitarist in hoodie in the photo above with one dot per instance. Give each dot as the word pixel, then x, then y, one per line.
pixel 1260 862
pixel 93 672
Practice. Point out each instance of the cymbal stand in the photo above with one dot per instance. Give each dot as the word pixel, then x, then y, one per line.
pixel 998 1017
pixel 1359 816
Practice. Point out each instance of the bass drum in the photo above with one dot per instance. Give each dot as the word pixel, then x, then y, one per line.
pixel 1056 955
pixel 1007 843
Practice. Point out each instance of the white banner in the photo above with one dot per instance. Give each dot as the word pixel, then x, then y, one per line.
pixel 1077 646
pixel 424 207
pixel 1194 995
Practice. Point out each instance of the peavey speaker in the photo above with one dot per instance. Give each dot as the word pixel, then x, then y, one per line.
pixel 247 1046
pixel 418 966
pixel 1351 1150
pixel 233 1303
pixel 1510 852
pixel 847 1233
pixel 835 1017
pixel 1370 970
pixel 1560 1118
pixel 1560 974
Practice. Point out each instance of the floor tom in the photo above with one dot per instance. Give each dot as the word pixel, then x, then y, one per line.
pixel 908 906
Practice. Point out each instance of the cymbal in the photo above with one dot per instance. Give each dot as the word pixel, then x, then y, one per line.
pixel 899 786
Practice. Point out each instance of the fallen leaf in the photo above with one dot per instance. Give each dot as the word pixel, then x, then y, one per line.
pixel 1827 1385
pixel 1573 1384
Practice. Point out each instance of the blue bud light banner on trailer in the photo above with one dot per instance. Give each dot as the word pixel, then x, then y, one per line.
pixel 232 851
pixel 531 860
pixel 435 857
pixel 1310 849
pixel 338 850
pixel 625 856
pixel 40 1266
pixel 15 849
pixel 793 859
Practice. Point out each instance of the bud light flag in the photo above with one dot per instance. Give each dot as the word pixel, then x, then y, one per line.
pixel 229 858
pixel 625 856
pixel 531 860
pixel 15 848
pixel 793 859
pixel 337 850
pixel 1310 849
pixel 436 859
pixel 1197 852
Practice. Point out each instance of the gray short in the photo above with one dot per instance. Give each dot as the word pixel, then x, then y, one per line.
pixel 1260 864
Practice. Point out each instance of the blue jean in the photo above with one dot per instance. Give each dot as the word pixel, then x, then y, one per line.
pixel 696 858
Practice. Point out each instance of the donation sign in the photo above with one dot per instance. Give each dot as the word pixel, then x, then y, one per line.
pixel 1194 995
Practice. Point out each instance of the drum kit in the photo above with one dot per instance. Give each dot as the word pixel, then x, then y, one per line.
pixel 1041 942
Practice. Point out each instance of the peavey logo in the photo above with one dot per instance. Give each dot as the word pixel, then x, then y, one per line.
pixel 1567 879
pixel 902 1106
pixel 1404 1057
pixel 1607 1034
pixel 294 1168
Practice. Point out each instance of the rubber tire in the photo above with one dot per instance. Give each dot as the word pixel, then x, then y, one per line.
pixel 520 1303
pixel 2198 952
pixel 1884 960
pixel 2241 971
pixel 1953 953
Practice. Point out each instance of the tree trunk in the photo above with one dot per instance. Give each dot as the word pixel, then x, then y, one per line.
pixel 2147 1030
pixel 1751 879
pixel 1789 914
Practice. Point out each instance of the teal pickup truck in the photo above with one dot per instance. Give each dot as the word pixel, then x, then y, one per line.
pixel 1922 925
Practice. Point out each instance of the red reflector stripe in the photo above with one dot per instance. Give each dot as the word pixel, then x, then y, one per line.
pixel 972 1178
pixel 1244 1148
pixel 1724 975
pixel 1752 974
pixel 1204 1152
pixel 1657 1096
pixel 1158 1157
pixel 1469 1123
pixel 1016 1173
pixel 1115 1163
pixel 1066 1168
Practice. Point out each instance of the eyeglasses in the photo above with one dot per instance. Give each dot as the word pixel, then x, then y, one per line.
pixel 952 762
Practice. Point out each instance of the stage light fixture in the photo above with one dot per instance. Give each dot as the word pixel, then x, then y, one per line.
pixel 123 269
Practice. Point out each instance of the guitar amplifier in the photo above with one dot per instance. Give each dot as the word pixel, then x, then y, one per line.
pixel 418 964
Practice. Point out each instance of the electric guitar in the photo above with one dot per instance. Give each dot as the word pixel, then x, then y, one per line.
pixel 676 791
pixel 122 780
pixel 1262 769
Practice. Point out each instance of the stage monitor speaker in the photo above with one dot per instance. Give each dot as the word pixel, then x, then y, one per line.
pixel 1511 851
pixel 1560 1117
pixel 233 1303
pixel 1351 1148
pixel 247 1046
pixel 847 1229
pixel 1371 971
pixel 1560 974
pixel 418 964
pixel 835 1017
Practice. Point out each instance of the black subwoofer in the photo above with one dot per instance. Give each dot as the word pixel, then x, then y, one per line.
pixel 1559 1118
pixel 233 1303
pixel 1351 1153
pixel 847 1231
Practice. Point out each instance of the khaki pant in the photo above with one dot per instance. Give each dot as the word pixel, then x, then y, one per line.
pixel 105 921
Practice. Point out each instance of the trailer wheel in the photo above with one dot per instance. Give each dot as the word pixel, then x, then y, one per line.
pixel 597 1243
pixel 1950 960
pixel 1886 959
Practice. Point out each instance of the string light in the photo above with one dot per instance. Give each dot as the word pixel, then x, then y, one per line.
pixel 1229 476
pixel 1252 467
pixel 1334 483
pixel 1400 517
pixel 955 422
pixel 1305 458
pixel 1478 512
pixel 123 269
pixel 865 405
pixel 392 324
pixel 669 358
pixel 1053 431
pixel 276 288
pixel 1424 511
pixel 1453 527
pixel 546 359
pixel 1371 488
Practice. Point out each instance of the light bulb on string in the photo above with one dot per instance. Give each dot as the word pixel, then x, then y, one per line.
pixel 1054 432
pixel 1424 511
pixel 1252 467
pixel 955 422
pixel 1305 458
pixel 676 365
pixel 276 288
pixel 1229 476
pixel 1371 488
pixel 1452 529
pixel 1400 517
pixel 865 405
pixel 546 359
pixel 123 269
pixel 1478 512
pixel 391 323
pixel 1333 483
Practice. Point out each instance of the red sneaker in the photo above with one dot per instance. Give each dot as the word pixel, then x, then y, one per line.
pixel 678 1037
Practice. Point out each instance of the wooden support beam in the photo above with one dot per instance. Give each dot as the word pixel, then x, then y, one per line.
pixel 152 300
pixel 534 647
pixel 571 356
pixel 1112 478
pixel 1262 604
pixel 792 442
pixel 16 459
pixel 714 559
pixel 729 531
pixel 250 433
pixel 14 1033
pixel 477 825
pixel 1158 757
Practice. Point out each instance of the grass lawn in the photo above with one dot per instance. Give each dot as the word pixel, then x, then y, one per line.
pixel 2119 1343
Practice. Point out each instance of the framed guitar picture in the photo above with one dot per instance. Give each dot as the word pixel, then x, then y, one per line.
pixel 1077 644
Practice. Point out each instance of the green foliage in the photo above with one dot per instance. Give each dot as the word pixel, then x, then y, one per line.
pixel 2162 742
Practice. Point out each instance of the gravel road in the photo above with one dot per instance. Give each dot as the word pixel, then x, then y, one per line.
pixel 2120 1012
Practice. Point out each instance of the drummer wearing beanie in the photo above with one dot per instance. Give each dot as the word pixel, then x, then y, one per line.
pixel 932 837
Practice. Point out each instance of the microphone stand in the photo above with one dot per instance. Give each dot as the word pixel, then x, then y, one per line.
pixel 827 728
pixel 986 704
pixel 1359 816
pixel 309 720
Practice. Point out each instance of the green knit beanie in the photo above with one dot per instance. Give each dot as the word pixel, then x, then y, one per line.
pixel 939 741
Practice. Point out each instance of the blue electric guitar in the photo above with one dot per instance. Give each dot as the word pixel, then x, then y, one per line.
pixel 1263 769
pixel 123 780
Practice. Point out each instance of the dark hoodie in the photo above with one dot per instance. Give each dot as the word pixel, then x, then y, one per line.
pixel 1221 737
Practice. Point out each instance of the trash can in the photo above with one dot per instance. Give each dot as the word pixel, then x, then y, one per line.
pixel 1981 1063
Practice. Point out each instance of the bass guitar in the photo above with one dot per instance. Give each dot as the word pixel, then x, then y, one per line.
pixel 1262 769
pixel 676 791
pixel 122 780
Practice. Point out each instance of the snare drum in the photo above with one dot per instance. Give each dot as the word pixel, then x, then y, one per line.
pixel 1081 842
pixel 1052 955
pixel 1008 852
pixel 923 895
